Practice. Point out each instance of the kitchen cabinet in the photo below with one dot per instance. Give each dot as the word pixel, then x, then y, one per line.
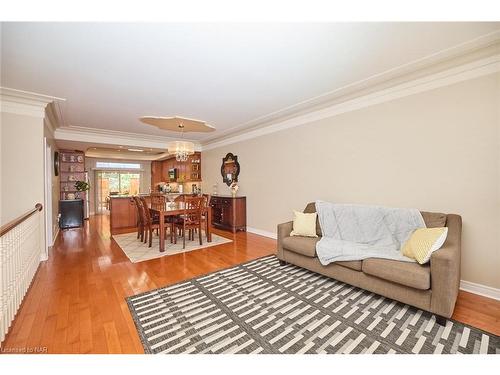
pixel 190 170
pixel 156 173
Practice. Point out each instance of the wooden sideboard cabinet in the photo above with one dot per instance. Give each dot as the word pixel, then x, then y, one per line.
pixel 229 212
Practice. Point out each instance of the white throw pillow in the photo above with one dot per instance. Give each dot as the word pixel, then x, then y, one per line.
pixel 304 224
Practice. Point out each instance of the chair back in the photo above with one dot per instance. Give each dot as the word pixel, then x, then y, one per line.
pixel 193 209
pixel 138 206
pixel 206 202
pixel 146 214
pixel 157 201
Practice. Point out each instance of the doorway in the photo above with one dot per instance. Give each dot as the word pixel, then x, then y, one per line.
pixel 48 163
pixel 114 183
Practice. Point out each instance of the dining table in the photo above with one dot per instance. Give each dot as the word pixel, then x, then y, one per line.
pixel 174 209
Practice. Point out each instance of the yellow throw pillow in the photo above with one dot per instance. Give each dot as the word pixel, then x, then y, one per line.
pixel 423 242
pixel 304 224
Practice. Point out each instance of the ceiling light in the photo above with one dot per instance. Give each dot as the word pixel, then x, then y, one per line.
pixel 135 149
pixel 181 149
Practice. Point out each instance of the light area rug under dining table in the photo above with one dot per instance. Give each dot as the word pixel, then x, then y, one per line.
pixel 138 251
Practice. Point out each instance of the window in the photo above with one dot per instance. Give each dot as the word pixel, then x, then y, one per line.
pixel 114 183
pixel 110 165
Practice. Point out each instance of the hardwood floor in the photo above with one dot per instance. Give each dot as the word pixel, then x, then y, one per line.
pixel 76 303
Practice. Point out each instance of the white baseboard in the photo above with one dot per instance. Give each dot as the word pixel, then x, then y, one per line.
pixel 55 237
pixel 261 232
pixel 482 290
pixel 45 255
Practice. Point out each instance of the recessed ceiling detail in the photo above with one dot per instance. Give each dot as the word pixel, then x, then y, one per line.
pixel 119 152
pixel 177 123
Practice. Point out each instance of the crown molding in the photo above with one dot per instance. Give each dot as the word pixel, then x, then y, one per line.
pixel 53 117
pixel 114 137
pixel 472 51
pixel 25 102
pixel 447 77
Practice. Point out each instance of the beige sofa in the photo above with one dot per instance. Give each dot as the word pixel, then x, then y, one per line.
pixel 432 287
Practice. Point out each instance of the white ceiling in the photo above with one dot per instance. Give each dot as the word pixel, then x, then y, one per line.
pixel 225 74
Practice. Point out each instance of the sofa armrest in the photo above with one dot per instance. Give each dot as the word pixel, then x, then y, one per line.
pixel 445 269
pixel 284 230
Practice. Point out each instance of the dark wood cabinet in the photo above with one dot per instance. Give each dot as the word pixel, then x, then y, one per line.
pixel 156 173
pixel 188 171
pixel 229 212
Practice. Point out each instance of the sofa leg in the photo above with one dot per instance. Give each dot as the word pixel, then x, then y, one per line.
pixel 441 320
pixel 282 262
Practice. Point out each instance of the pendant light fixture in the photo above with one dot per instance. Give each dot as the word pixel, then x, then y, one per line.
pixel 181 148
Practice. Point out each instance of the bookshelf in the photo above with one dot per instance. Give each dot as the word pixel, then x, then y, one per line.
pixel 71 169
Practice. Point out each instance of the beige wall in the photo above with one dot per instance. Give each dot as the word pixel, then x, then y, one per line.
pixel 437 151
pixel 22 179
pixel 54 184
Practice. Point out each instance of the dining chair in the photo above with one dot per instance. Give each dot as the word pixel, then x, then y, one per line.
pixel 204 216
pixel 140 221
pixel 190 219
pixel 150 223
pixel 157 201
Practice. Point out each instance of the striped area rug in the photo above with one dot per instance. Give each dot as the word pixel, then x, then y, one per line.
pixel 262 307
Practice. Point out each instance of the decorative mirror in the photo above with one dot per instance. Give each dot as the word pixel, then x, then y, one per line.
pixel 56 163
pixel 230 169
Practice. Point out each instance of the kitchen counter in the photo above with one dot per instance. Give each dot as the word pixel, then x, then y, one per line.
pixel 122 212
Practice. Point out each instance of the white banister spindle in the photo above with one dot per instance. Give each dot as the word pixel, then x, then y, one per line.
pixel 20 250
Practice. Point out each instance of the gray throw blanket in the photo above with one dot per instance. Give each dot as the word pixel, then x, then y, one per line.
pixel 356 232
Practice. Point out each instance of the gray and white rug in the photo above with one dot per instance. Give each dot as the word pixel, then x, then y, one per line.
pixel 138 251
pixel 262 307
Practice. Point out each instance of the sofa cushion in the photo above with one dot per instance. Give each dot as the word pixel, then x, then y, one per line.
pixel 310 208
pixel 405 273
pixel 434 219
pixel 301 245
pixel 304 224
pixel 423 242
pixel 307 246
pixel 355 265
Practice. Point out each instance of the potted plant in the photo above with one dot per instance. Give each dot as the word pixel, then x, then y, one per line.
pixel 82 186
